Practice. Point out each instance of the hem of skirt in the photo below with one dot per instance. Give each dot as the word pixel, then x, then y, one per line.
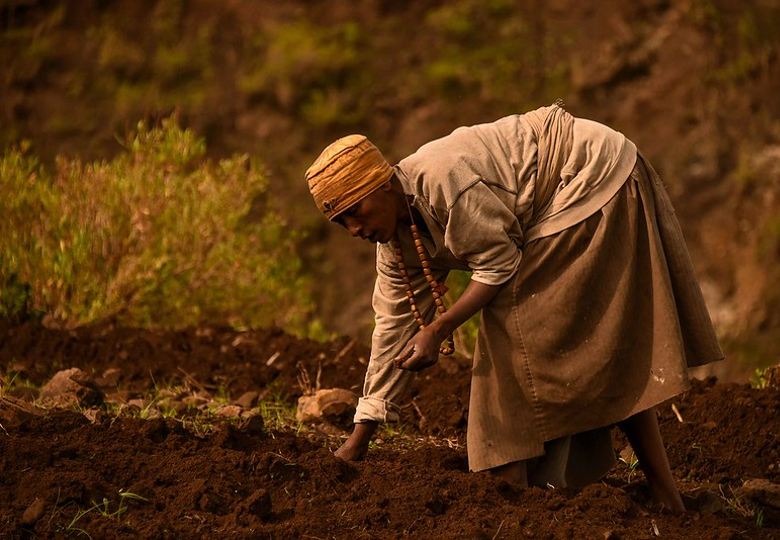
pixel 552 435
pixel 699 363
pixel 623 416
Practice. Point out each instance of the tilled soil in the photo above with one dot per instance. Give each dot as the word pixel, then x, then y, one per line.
pixel 63 474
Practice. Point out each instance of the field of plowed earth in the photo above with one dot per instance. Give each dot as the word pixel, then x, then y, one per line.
pixel 192 434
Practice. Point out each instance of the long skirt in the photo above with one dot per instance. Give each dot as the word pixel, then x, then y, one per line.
pixel 600 322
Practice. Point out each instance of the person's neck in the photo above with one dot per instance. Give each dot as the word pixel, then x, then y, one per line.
pixel 406 212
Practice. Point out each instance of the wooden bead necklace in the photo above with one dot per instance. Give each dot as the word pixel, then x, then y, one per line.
pixel 438 290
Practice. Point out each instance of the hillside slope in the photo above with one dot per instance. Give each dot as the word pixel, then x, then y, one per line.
pixel 692 82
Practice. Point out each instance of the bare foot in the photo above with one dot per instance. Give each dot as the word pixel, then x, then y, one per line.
pixel 350 452
pixel 669 498
pixel 515 472
pixel 356 446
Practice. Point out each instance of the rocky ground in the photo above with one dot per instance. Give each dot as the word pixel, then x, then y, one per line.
pixel 111 432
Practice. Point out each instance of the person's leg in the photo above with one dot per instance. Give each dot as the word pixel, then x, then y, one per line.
pixel 515 472
pixel 645 439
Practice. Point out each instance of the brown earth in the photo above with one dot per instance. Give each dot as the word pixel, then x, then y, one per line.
pixel 62 475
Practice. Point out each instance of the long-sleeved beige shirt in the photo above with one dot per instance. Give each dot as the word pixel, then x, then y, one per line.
pixel 475 188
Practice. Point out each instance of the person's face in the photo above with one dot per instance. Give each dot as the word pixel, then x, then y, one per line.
pixel 373 218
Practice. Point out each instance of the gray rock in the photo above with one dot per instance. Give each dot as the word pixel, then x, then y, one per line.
pixel 334 405
pixel 71 387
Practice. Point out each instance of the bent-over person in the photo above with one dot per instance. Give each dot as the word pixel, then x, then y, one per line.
pixel 591 311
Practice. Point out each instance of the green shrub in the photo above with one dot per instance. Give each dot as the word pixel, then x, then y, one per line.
pixel 157 237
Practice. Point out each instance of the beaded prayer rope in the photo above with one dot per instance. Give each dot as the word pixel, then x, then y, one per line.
pixel 448 347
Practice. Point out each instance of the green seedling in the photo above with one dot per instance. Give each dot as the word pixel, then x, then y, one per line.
pixel 393 429
pixel 104 509
pixel 760 378
pixel 631 464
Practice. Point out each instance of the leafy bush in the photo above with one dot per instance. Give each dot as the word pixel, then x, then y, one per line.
pixel 157 237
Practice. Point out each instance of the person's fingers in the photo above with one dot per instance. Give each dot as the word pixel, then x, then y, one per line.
pixel 416 362
pixel 404 355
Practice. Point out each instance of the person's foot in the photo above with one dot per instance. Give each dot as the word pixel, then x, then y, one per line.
pixel 669 499
pixel 514 473
pixel 350 452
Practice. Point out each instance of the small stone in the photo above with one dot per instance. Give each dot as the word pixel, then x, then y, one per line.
pixel 334 405
pixel 71 387
pixel 247 400
pixel 228 411
pixel 709 425
pixel 34 512
pixel 771 467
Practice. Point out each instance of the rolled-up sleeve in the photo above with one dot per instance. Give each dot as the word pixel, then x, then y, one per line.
pixel 484 232
pixel 385 384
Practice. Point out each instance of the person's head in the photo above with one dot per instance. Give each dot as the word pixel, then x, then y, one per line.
pixel 353 185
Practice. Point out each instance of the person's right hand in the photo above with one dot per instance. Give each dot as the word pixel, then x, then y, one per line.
pixel 356 446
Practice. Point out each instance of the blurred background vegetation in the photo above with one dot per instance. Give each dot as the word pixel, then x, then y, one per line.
pixel 199 214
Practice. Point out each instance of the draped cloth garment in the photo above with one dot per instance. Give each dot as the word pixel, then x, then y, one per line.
pixel 600 322
pixel 597 322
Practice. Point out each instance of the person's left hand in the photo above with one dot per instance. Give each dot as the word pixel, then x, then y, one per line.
pixel 422 351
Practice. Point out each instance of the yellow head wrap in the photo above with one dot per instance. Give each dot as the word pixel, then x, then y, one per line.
pixel 347 171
